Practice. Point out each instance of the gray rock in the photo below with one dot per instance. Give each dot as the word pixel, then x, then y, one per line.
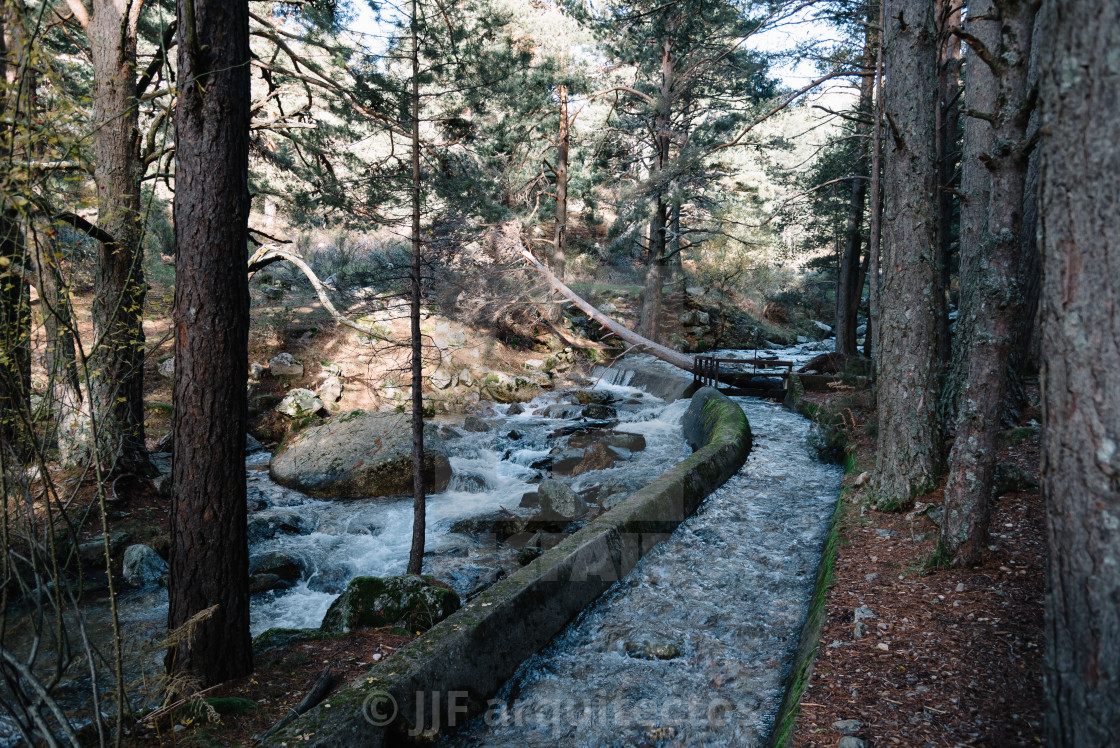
pixel 502 388
pixel 330 391
pixel 252 444
pixel 499 524
pixel 849 741
pixel 256 371
pixel 281 564
pixel 93 552
pixel 259 583
pixel 475 424
pixel 269 525
pixel 415 602
pixel 285 365
pixel 847 726
pixel 515 409
pixel 561 410
pixel 557 500
pixel 802 339
pixel 441 379
pixel 862 613
pixel 859 630
pixel 166 368
pixel 592 397
pixel 822 326
pixel 694 318
pixel 142 566
pixel 607 308
pixel 359 455
pixel 598 412
pixel 300 402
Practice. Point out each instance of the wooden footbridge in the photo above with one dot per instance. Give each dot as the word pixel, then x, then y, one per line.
pixel 758 375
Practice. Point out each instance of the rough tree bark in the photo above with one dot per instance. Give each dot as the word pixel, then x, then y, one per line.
pixel 875 227
pixel 1080 230
pixel 117 370
pixel 996 299
pixel 15 302
pixel 948 158
pixel 419 508
pixel 849 280
pixel 71 418
pixel 650 322
pixel 209 551
pixel 906 361
pixel 563 141
pixel 979 86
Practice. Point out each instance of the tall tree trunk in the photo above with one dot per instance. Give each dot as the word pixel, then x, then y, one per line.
pixel 117 379
pixel 674 267
pixel 948 119
pixel 994 311
pixel 979 91
pixel 906 363
pixel 15 301
pixel 70 414
pixel 209 550
pixel 848 281
pixel 875 229
pixel 563 141
pixel 15 338
pixel 416 553
pixel 650 324
pixel 1081 355
pixel 1026 347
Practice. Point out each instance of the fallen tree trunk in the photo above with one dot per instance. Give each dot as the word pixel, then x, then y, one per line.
pixel 269 254
pixel 668 355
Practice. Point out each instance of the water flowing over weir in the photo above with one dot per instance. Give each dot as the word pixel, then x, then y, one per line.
pixel 695 643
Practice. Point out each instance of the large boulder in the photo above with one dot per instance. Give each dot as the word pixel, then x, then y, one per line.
pixel 557 500
pixel 142 566
pixel 415 602
pixel 359 455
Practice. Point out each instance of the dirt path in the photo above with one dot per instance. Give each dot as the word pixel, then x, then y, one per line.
pixel 947 657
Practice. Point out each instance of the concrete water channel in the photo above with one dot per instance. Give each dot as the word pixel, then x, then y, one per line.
pixel 694 645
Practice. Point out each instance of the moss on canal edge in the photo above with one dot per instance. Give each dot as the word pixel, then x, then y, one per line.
pixel 469 655
pixel 805 657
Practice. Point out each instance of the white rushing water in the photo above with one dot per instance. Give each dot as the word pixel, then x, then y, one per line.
pixel 723 600
pixel 348 538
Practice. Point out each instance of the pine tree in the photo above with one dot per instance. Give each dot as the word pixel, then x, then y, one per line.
pixel 209 583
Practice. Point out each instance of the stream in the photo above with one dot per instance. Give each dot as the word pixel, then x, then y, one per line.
pixel 693 646
pixel 725 596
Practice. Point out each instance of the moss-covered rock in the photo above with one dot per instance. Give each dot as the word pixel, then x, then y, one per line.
pixel 413 601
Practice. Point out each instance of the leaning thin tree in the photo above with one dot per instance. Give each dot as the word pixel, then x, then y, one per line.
pixel 209 551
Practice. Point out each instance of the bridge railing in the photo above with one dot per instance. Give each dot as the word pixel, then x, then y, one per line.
pixel 708 371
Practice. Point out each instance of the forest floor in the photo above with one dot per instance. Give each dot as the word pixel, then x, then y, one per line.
pixel 947 657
